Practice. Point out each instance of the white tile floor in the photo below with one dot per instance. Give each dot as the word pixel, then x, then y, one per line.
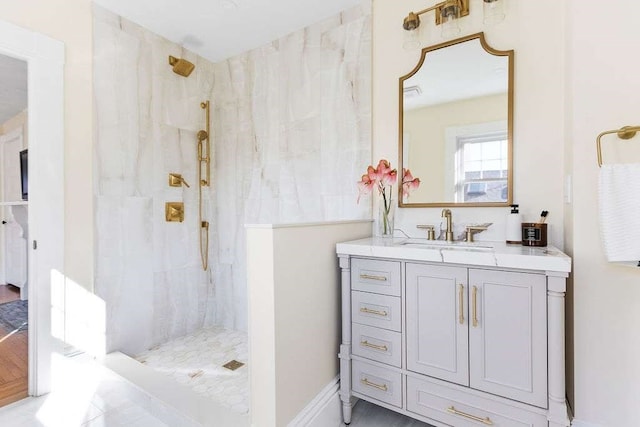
pixel 196 361
pixel 367 414
pixel 87 394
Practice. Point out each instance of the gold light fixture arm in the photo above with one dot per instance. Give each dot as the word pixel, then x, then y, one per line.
pixel 412 21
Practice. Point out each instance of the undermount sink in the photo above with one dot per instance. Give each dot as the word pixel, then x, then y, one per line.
pixel 440 244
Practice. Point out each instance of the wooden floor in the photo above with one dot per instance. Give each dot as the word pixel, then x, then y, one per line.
pixel 13 356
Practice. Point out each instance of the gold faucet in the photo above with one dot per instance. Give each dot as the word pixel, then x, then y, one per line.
pixel 446 213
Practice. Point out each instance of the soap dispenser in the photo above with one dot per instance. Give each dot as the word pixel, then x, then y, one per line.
pixel 514 230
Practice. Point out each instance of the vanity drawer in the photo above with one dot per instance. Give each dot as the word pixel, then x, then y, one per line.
pixel 378 383
pixel 381 311
pixel 444 404
pixel 376 344
pixel 381 277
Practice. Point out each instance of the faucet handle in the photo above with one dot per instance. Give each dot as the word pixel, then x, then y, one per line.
pixel 431 234
pixel 472 229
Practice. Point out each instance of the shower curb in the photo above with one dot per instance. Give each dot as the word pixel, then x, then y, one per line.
pixel 179 404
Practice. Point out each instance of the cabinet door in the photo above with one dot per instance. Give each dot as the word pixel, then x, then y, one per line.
pixel 437 322
pixel 508 335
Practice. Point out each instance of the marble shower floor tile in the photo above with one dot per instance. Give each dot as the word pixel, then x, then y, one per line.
pixel 196 360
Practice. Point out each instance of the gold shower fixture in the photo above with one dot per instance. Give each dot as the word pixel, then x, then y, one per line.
pixel 204 162
pixel 204 146
pixel 181 66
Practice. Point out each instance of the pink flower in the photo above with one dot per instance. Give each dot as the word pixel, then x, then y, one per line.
pixel 383 178
pixel 409 183
pixel 365 185
pixel 389 178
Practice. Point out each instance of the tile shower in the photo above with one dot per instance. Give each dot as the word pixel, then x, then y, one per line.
pixel 291 131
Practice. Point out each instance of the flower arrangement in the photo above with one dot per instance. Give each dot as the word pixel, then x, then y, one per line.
pixel 383 178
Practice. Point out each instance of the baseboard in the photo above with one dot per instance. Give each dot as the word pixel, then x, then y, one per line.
pixel 324 410
pixel 578 423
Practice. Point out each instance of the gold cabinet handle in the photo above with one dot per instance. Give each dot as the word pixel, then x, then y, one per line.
pixel 372 277
pixel 485 420
pixel 376 312
pixel 461 303
pixel 368 383
pixel 474 302
pixel 366 343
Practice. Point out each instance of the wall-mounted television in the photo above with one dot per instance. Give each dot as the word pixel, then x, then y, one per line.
pixel 24 173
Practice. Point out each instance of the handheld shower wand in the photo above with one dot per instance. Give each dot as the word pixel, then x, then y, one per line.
pixel 204 156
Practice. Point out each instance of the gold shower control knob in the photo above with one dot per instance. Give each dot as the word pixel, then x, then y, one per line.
pixel 174 211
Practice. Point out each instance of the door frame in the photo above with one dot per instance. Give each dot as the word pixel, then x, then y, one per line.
pixel 17 133
pixel 45 59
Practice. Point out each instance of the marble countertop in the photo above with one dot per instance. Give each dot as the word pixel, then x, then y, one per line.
pixel 494 254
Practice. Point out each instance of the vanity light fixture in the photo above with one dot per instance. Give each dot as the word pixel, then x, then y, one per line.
pixel 447 14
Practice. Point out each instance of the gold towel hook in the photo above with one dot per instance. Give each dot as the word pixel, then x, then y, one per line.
pixel 626 132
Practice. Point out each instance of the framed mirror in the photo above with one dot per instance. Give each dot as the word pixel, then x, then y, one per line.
pixel 456 125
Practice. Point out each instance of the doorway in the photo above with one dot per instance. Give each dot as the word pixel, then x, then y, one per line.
pixel 14 325
pixel 44 132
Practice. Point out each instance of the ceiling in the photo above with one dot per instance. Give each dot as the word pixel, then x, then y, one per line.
pixel 454 73
pixel 13 87
pixel 220 29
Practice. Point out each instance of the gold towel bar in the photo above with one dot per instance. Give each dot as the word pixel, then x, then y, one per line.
pixel 626 132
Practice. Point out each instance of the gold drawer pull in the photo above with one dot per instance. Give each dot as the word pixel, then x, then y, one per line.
pixel 366 382
pixel 486 420
pixel 373 346
pixel 474 297
pixel 376 312
pixel 461 301
pixel 371 277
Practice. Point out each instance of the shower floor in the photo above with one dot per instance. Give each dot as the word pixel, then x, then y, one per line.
pixel 196 361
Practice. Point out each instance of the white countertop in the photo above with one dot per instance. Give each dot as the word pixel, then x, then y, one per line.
pixel 495 254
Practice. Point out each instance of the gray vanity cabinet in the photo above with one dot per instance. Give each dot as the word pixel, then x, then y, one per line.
pixel 450 344
pixel 480 328
pixel 437 327
pixel 508 335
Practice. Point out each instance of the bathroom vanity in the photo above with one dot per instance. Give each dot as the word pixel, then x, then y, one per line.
pixel 454 334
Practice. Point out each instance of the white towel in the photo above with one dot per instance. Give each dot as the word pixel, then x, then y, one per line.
pixel 619 193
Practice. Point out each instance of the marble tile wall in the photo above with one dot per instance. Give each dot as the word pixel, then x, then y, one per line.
pixel 147 270
pixel 291 133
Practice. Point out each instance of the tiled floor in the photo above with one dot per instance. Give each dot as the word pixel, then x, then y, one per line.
pixel 367 414
pixel 196 360
pixel 88 395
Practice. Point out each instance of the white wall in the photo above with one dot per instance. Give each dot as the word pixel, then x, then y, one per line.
pixel 71 25
pixel 602 88
pixel 294 322
pixel 539 108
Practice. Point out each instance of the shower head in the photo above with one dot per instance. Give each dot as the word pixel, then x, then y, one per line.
pixel 202 135
pixel 181 66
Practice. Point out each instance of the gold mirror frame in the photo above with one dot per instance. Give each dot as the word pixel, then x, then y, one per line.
pixel 492 51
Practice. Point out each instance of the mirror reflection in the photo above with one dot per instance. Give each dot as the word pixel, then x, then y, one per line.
pixel 456 125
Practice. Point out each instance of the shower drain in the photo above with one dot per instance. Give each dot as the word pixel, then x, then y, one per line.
pixel 233 365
